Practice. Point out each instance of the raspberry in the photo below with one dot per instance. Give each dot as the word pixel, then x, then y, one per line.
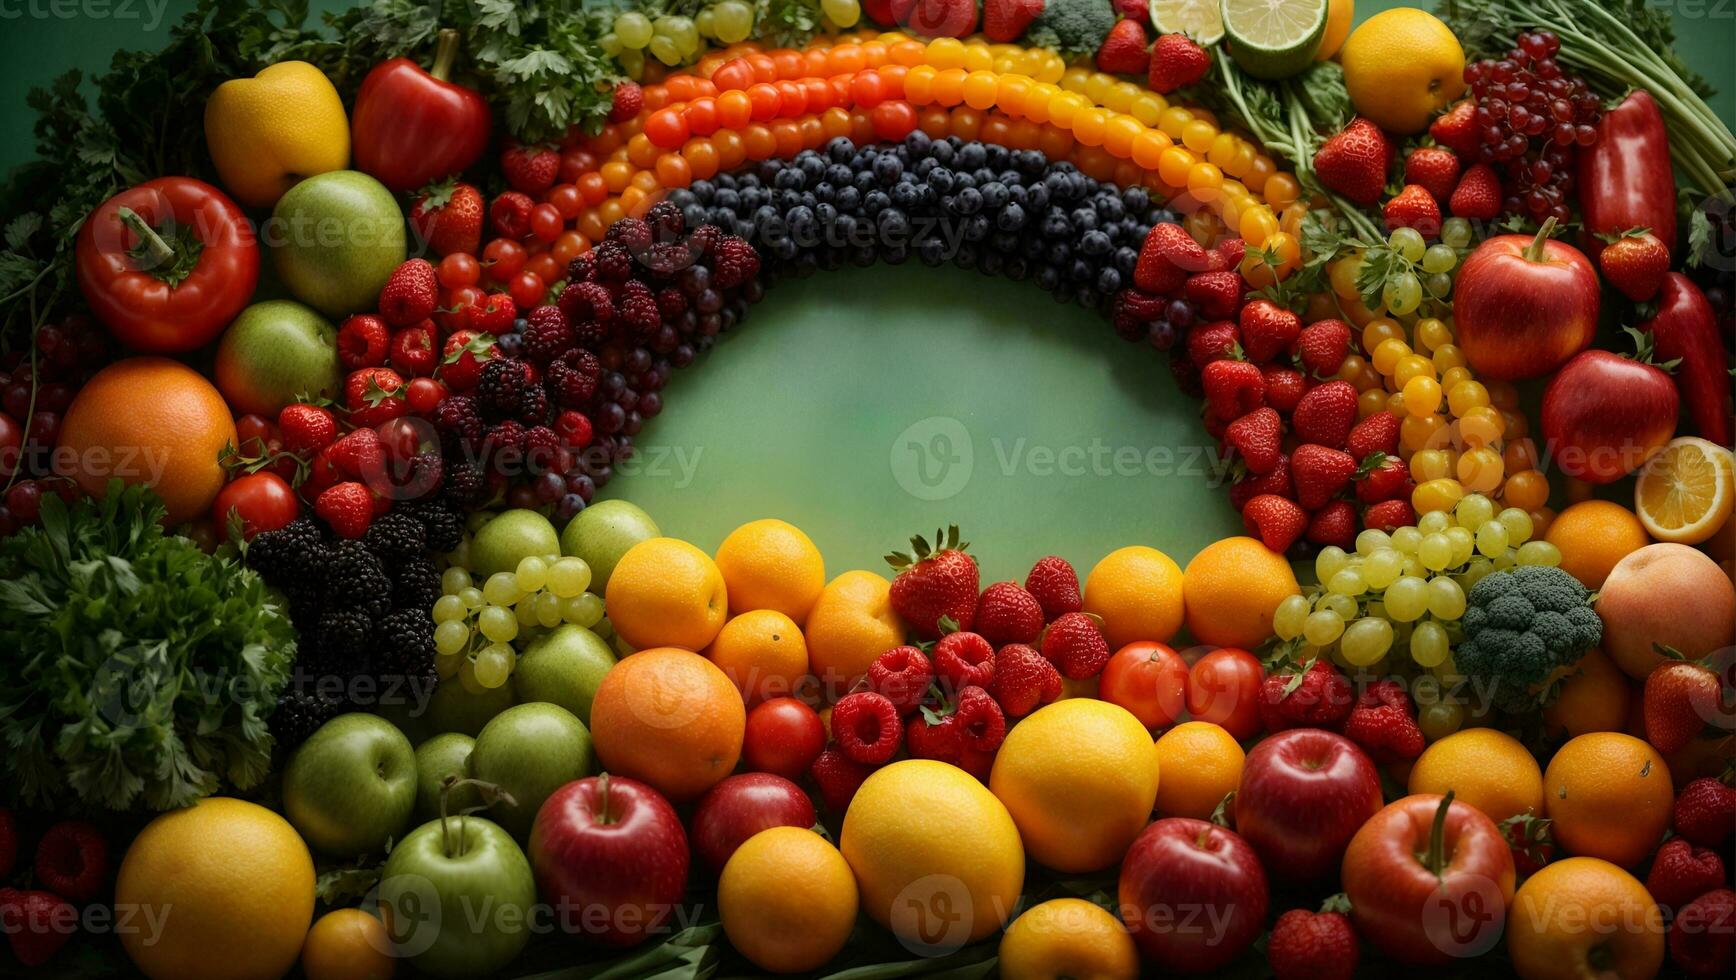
pixel 72 860
pixel 982 725
pixel 541 447
pixel 631 232
pixel 866 727
pixel 573 378
pixel 734 263
pixel 838 778
pixel 964 659
pixel 1074 643
pixel 587 301
pixel 582 269
pixel 1024 680
pixel 456 416
pixel 546 335
pixel 508 435
pixel 671 302
pixel 936 739
pixel 613 262
pixel 574 428
pixel 1006 613
pixel 665 221
pixel 704 239
pixel 902 674
pixel 637 310
pixel 500 390
pixel 665 259
pixel 1054 585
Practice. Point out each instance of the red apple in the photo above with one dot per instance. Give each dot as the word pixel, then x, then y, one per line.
pixel 1429 880
pixel 610 855
pixel 1604 415
pixel 783 736
pixel 1192 894
pixel 1304 793
pixel 1524 305
pixel 741 806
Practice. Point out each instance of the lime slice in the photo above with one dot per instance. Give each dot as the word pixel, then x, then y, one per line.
pixel 1274 38
pixel 1198 19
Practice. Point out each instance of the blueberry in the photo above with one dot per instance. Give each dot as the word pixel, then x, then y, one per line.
pixel 1126 259
pixel 931 251
pixel 887 169
pixel 1011 218
pixel 1108 281
pixel 968 201
pixel 1095 243
pixel 918 143
pixel 907 196
pixel 941 179
pixel 1047 278
pixel 972 155
pixel 1084 219
pixel 840 149
pixel 994 195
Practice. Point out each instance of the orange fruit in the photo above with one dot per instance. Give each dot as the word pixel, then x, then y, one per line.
pixel 1593 536
pixel 1201 763
pixel 851 623
pixel 787 900
pixel 1685 493
pixel 348 944
pixel 1079 777
pixel 1067 937
pixel 1609 796
pixel 149 420
pixel 763 654
pixel 1582 917
pixel 240 882
pixel 1401 67
pixel 1488 769
pixel 1594 697
pixel 670 718
pixel 1339 14
pixel 1137 592
pixel 771 564
pixel 665 592
pixel 1233 587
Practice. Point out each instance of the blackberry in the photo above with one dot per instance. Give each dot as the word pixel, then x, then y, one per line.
pixel 298 715
pixel 573 378
pixel 356 579
pixel 534 405
pixel 395 537
pixel 546 334
pixel 343 634
pixel 500 391
pixel 286 552
pixel 404 643
pixel 587 301
pixel 464 487
pixel 415 585
pixel 457 418
pixel 506 437
pixel 633 233
pixel 613 262
pixel 442 524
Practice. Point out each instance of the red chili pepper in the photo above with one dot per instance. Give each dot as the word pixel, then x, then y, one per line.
pixel 1624 179
pixel 167 264
pixel 1685 327
pixel 411 126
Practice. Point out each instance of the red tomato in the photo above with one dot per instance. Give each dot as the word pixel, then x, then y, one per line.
pixel 11 444
pixel 503 257
pixel 263 501
pixel 527 290
pixel 1224 688
pixel 783 737
pixel 458 270
pixel 253 431
pixel 424 395
pixel 1149 680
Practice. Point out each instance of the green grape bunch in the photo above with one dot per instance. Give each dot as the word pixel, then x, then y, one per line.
pixel 475 628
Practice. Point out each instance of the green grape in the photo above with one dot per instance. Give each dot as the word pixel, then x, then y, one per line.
pixel 1440 258
pixel 494 665
pixel 1492 539
pixel 1439 285
pixel 1463 542
pixel 1435 552
pixel 679 30
pixel 633 30
pixel 1446 599
pixel 525 611
pixel 451 637
pixel 501 589
pixel 1406 539
pixel 498 624
pixel 583 610
pixel 1414 566
pixel 1518 524
pixel 1473 510
pixel 1366 641
pixel 1456 232
pixel 447 664
pixel 1372 540
pixel 1538 553
pixel 568 577
pixel 460 556
pixel 454 580
pixel 1323 627
pixel 632 63
pixel 1407 599
pixel 1287 620
pixel 1428 644
pixel 705 22
pixel 603 628
pixel 1434 522
pixel 548 610
pixel 733 21
pixel 472 598
pixel 1503 561
pixel 1407 242
pixel 1348 581
pixel 1440 719
pixel 1403 293
pixel 1475 572
pixel 1377 609
pixel 842 13
pixel 532 574
pixel 1343 605
pixel 610 44
pixel 1382 568
pixel 467 676
pixel 663 49
pixel 448 608
pixel 1329 561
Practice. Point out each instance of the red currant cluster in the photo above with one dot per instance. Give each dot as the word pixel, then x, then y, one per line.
pixel 1532 116
pixel 34 395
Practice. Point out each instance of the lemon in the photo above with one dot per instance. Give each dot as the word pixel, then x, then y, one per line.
pixel 1274 38
pixel 1486 768
pixel 787 900
pixel 1401 67
pixel 771 564
pixel 666 592
pixel 1684 494
pixel 1067 937
pixel 1198 19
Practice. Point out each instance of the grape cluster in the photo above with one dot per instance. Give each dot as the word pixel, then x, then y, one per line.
pixel 34 395
pixel 475 627
pixel 674 38
pixel 1533 116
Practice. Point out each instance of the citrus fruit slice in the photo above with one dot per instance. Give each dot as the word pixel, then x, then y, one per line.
pixel 1685 492
pixel 1198 19
pixel 1274 38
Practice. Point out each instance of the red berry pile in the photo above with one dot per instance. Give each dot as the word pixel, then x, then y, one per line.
pixel 1531 116
pixel 34 395
pixel 71 869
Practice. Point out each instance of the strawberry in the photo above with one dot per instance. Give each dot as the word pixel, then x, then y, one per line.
pixel 462 357
pixel 1478 196
pixel 1321 347
pixel 1275 482
pixel 1414 207
pixel 1635 262
pixel 982 723
pixel 1312 695
pixel 962 659
pixel 1353 162
pixel 1257 438
pixel 1233 388
pixel 373 396
pixel 1384 724
pixel 936 18
pixel 866 728
pixel 1389 515
pixel 628 99
pixel 1137 9
pixel 1319 473
pixel 1284 387
pixel 1308 945
pixel 1334 524
pixel 1176 61
pixel 932 735
pixel 1324 415
pixel 323 472
pixel 72 860
pixel 448 216
pixel 1276 521
pixel 531 169
pixel 306 429
pixel 1006 613
pixel 1215 295
pixel 1681 698
pixel 1457 129
pixel 1702 939
pixel 1024 680
pixel 1682 872
pixel 1530 840
pixel 838 778
pixel 410 294
pixel 1005 21
pixel 1074 642
pixel 363 341
pixel 36 923
pixel 1212 342
pixel 509 215
pixel 413 350
pixel 357 454
pixel 934 584
pixel 1705 812
pixel 1228 253
pixel 348 508
pixel 1123 51
pixel 8 842
pixel 1267 330
pixel 494 314
pixel 902 674
pixel 1435 169
pixel 1155 274
pixel 1177 247
pixel 1376 434
pixel 1381 477
pixel 1055 586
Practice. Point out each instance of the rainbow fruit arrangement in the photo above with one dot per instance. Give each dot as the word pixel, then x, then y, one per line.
pixel 329 654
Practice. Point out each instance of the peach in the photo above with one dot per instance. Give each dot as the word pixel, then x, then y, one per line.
pixel 1666 594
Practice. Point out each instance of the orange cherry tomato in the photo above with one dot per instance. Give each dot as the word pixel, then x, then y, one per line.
pixel 790 65
pixel 734 110
pixel 836 122
pixel 819 92
pixel 758 141
pixel 546 268
pixel 935 121
pixel 667 128
pixel 617 174
pixel 966 123
pixel 893 120
pixel 949 86
pixel 787 138
pixel 818 63
pixel 673 170
pixel 792 99
pixel 612 209
pixel 702 117
pixel 812 130
pixel 847 58
pixel 641 152
pixel 861 128
pixel 569 246
pixel 908 53
pixel 701 156
pixel 866 89
pixel 655 97
pixel 994 129
pixel 591 223
pixel 766 101
pixel 764 68
pixel 593 188
pixel 730 149
pixel 734 74
pixel 645 180
pixel 892 81
pixel 703 88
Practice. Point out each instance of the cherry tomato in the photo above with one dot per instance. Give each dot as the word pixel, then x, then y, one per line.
pixel 263 501
pixel 546 266
pixel 783 737
pixel 458 269
pixel 11 444
pixel 1149 680
pixel 527 290
pixel 424 395
pixel 253 431
pixel 702 117
pixel 593 188
pixel 546 223
pixel 667 128
pixel 504 258
pixel 575 164
pixel 733 74
pixel 1224 688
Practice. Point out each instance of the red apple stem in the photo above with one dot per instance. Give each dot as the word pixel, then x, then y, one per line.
pixel 445 53
pixel 1534 251
pixel 604 817
pixel 1435 859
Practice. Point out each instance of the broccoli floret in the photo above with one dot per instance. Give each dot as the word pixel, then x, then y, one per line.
pixel 1519 626
pixel 1072 27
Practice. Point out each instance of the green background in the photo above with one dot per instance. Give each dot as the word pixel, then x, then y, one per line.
pixel 1078 443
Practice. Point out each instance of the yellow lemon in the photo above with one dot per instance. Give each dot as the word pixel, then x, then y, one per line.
pixel 270 131
pixel 1401 67
pixel 787 900
pixel 1583 917
pixel 936 856
pixel 1079 777
pixel 1233 587
pixel 763 653
pixel 851 623
pixel 1201 763
pixel 666 593
pixel 1137 591
pixel 1686 491
pixel 1483 767
pixel 348 944
pixel 231 885
pixel 1067 937
pixel 771 564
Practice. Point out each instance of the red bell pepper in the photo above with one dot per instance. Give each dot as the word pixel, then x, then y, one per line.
pixel 1624 179
pixel 1686 328
pixel 167 264
pixel 411 127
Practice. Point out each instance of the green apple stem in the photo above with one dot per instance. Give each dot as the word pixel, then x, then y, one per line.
pixel 1435 858
pixel 490 794
pixel 156 253
pixel 1534 251
pixel 445 53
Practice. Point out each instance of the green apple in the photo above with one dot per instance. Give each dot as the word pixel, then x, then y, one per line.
pixel 335 239
pixel 602 533
pixel 351 786
pixel 457 897
pixel 453 709
pixel 512 536
pixel 564 667
pixel 444 755
pixel 530 751
pixel 274 351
